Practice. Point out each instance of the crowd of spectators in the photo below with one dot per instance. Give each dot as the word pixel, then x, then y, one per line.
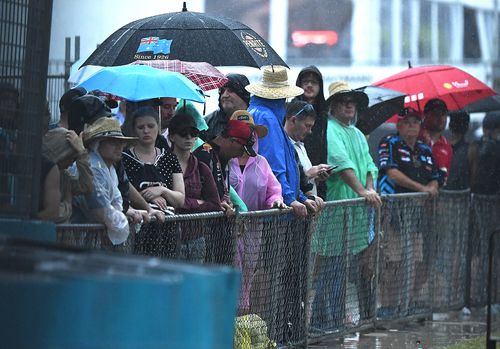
pixel 255 152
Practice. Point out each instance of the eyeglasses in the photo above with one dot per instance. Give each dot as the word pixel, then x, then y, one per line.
pixel 193 133
pixel 308 108
pixel 310 81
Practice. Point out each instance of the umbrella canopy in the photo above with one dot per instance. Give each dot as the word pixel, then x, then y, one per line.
pixel 382 104
pixel 454 86
pixel 140 82
pixel 187 36
pixel 484 105
pixel 203 74
pixel 76 76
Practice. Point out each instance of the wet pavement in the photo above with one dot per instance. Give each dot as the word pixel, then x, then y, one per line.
pixel 441 330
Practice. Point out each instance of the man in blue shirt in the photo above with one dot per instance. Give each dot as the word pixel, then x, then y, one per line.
pixel 267 106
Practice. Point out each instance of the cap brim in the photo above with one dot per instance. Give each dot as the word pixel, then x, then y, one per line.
pixel 123 138
pixel 249 150
pixel 360 97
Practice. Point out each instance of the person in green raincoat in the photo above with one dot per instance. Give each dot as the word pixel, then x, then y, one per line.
pixel 344 230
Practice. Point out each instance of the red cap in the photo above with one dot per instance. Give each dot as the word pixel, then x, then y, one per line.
pixel 243 133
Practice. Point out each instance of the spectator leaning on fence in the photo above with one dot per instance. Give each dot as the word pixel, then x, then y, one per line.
pixel 154 172
pixel 299 121
pixel 200 189
pixel 86 110
pixel 255 183
pixel 105 142
pixel 353 177
pixel 236 139
pixel 406 163
pixel 267 106
pixel 347 147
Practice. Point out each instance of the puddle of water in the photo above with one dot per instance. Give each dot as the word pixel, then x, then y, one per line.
pixel 431 334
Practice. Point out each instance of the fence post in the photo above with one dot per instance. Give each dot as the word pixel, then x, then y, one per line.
pixel 378 233
pixel 490 343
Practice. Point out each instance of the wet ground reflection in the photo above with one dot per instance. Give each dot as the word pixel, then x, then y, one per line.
pixel 445 329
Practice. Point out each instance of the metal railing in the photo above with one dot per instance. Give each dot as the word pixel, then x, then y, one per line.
pixel 348 268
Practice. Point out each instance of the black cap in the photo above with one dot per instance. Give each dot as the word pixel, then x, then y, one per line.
pixel 85 110
pixel 237 83
pixel 435 103
pixel 69 96
pixel 181 121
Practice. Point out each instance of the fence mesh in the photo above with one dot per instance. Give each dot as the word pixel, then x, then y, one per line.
pixel 485 219
pixel 345 269
pixel 451 246
pixel 24 47
pixel 405 254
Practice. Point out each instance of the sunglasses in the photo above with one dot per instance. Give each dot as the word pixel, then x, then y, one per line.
pixel 308 108
pixel 193 133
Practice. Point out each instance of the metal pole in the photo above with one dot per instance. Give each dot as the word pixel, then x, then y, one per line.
pixel 490 343
pixel 77 47
pixel 67 62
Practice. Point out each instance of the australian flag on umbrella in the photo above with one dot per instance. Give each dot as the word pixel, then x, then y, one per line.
pixel 154 44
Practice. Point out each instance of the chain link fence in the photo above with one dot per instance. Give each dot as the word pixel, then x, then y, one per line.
pixel 24 47
pixel 348 268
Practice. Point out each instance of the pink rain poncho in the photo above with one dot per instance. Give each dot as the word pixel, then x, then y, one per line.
pixel 257 186
pixel 259 189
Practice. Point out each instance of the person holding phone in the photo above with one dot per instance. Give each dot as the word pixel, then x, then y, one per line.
pixel 299 120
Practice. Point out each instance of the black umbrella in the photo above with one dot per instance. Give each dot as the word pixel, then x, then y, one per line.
pixel 186 36
pixel 484 105
pixel 383 103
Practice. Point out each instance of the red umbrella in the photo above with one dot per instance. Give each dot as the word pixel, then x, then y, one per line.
pixel 454 86
pixel 203 74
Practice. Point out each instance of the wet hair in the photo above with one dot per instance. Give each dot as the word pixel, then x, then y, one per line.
pixel 300 109
pixel 145 111
pixel 435 103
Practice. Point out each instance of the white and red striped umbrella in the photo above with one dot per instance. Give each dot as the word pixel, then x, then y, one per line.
pixel 203 74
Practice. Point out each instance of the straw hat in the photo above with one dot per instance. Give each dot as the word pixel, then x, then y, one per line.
pixel 56 147
pixel 274 84
pixel 104 128
pixel 341 88
pixel 243 115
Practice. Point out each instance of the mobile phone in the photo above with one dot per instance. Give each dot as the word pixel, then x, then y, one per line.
pixel 331 168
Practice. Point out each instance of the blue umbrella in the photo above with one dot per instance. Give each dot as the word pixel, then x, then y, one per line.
pixel 141 82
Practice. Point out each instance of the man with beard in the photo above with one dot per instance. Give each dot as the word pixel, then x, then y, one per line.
pixel 311 81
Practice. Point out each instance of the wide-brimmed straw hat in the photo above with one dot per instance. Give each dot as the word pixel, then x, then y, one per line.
pixel 341 89
pixel 274 84
pixel 243 115
pixel 105 128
